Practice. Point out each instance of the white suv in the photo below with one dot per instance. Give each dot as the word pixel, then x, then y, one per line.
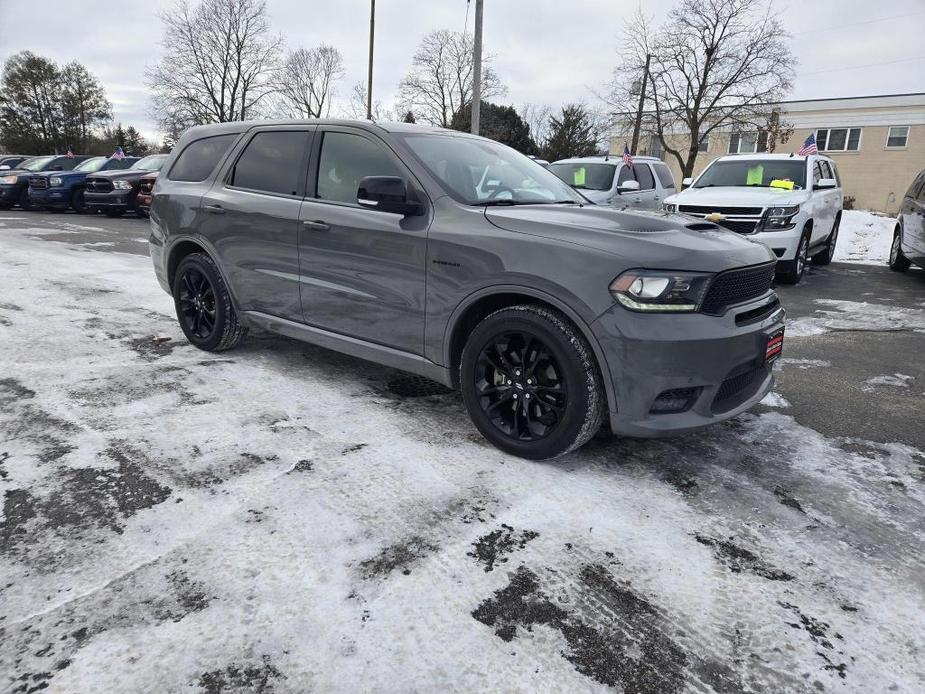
pixel 791 204
pixel 608 181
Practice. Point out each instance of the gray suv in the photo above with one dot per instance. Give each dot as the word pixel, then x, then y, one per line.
pixel 456 258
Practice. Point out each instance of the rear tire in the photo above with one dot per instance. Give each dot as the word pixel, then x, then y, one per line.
pixel 530 382
pixel 824 257
pixel 203 305
pixel 898 262
pixel 794 269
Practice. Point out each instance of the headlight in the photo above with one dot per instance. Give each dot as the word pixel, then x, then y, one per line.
pixel 122 185
pixel 779 218
pixel 9 180
pixel 660 290
pixel 55 181
pixel 669 207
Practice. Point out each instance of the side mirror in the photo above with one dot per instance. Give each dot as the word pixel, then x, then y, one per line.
pixel 387 194
pixel 628 187
pixel 686 183
pixel 825 183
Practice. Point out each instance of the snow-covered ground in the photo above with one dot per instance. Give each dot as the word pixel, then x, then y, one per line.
pixel 275 519
pixel 864 237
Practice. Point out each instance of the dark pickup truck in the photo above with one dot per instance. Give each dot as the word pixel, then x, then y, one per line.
pixel 14 183
pixel 115 192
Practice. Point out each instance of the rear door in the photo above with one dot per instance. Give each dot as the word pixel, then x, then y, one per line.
pixel 251 217
pixel 665 180
pixel 362 270
pixel 913 220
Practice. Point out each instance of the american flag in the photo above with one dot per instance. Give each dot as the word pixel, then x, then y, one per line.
pixel 627 157
pixel 70 152
pixel 809 147
pixel 118 154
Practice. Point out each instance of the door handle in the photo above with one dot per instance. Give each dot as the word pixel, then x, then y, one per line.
pixel 214 209
pixel 316 225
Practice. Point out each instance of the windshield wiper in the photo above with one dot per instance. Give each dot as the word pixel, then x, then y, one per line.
pixel 501 203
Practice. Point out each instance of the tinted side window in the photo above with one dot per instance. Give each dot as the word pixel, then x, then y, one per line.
pixel 272 161
pixel 664 175
pixel 817 173
pixel 345 160
pixel 644 176
pixel 826 171
pixel 65 163
pixel 626 174
pixel 198 160
pixel 916 187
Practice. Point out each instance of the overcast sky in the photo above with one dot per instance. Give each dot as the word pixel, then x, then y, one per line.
pixel 546 51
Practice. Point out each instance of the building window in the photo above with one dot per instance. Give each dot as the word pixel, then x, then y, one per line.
pixel 748 143
pixel 704 145
pixel 897 137
pixel 838 139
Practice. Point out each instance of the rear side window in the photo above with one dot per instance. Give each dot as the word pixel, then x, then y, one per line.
pixel 272 162
pixel 65 163
pixel 826 171
pixel 664 175
pixel 199 159
pixel 917 187
pixel 644 176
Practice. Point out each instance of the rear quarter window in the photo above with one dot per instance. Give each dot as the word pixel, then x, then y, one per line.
pixel 664 175
pixel 199 159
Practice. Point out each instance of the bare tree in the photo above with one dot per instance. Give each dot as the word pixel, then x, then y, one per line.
pixel 307 80
pixel 356 107
pixel 537 117
pixel 219 62
pixel 715 64
pixel 440 80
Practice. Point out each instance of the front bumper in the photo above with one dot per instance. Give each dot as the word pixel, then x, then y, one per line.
pixel 50 197
pixel 719 364
pixel 114 199
pixel 783 243
pixel 9 193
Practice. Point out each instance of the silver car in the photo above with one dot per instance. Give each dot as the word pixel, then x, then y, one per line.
pixel 608 181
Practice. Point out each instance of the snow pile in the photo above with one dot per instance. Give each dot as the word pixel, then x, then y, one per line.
pixel 773 399
pixel 864 237
pixel 856 315
pixel 892 380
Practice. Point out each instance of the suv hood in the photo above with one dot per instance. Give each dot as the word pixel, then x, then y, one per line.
pixel 653 240
pixel 135 174
pixel 739 195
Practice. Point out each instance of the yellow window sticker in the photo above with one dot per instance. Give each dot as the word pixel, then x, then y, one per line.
pixel 755 175
pixel 579 176
pixel 784 183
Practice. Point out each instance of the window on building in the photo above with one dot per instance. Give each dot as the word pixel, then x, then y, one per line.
pixel 838 139
pixel 748 143
pixel 897 137
pixel 704 145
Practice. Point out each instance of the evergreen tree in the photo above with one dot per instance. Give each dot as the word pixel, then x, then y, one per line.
pixel 500 123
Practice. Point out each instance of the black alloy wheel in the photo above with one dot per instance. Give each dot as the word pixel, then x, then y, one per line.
pixel 522 387
pixel 203 304
pixel 531 383
pixel 197 303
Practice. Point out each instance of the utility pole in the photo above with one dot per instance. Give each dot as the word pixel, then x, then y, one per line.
pixel 642 99
pixel 477 69
pixel 369 83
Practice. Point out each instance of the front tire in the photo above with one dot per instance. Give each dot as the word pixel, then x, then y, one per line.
pixel 898 262
pixel 530 382
pixel 203 304
pixel 793 272
pixel 825 256
pixel 78 202
pixel 25 202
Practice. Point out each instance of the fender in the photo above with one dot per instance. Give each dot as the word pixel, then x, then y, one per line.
pixel 556 303
pixel 208 248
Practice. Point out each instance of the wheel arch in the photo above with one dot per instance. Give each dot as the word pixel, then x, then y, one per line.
pixel 186 245
pixel 482 303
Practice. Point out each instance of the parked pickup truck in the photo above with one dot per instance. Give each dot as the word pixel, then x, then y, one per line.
pixel 59 191
pixel 114 192
pixel 145 193
pixel 789 203
pixel 14 184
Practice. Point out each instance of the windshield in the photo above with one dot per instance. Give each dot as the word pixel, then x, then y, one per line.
pixel 586 176
pixel 754 172
pixel 480 172
pixel 91 165
pixel 36 164
pixel 152 163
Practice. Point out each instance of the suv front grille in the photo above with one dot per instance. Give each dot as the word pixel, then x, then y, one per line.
pixel 735 286
pixel 98 185
pixel 704 210
pixel 738 226
pixel 38 182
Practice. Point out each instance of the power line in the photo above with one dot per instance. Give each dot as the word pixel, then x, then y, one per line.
pixel 858 67
pixel 853 24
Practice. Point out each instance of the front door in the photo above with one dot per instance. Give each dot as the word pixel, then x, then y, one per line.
pixel 825 202
pixel 251 217
pixel 362 270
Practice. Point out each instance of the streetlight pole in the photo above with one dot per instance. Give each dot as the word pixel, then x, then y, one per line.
pixel 477 68
pixel 369 83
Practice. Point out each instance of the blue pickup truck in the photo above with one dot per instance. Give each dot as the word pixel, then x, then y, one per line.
pixel 57 191
pixel 14 183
